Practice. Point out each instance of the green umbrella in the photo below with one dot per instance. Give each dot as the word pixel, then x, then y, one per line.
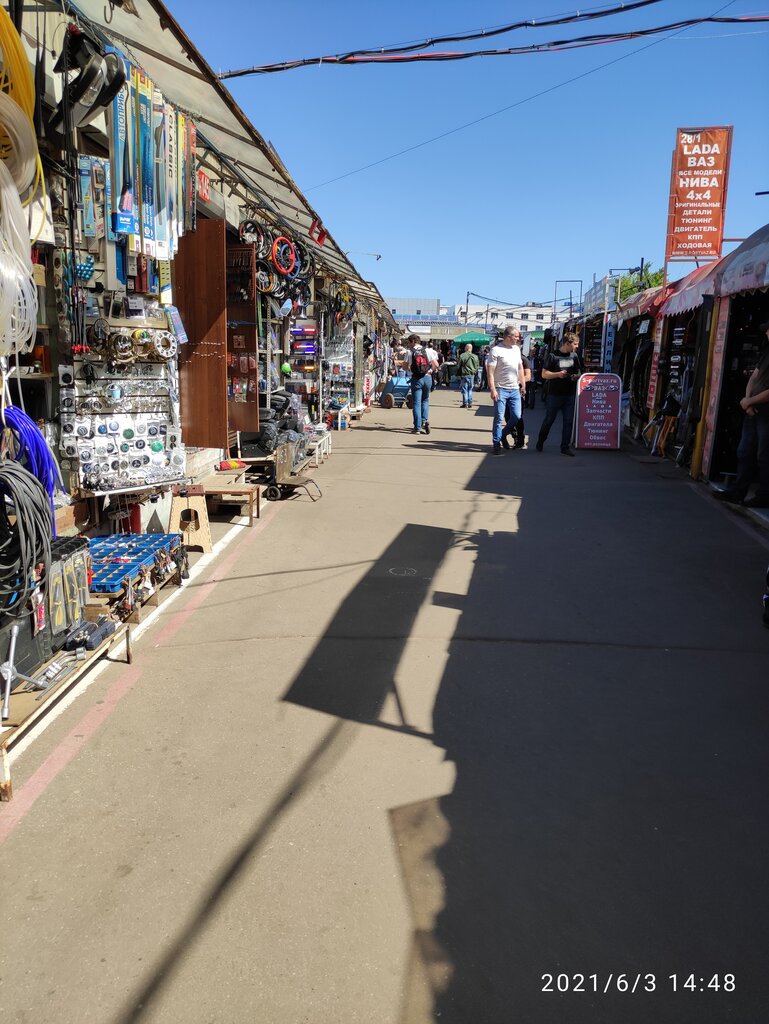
pixel 475 338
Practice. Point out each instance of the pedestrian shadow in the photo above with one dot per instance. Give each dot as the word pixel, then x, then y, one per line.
pixel 451 447
pixel 584 835
pixel 348 676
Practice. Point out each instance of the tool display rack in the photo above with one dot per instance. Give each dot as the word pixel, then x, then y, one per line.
pixel 119 422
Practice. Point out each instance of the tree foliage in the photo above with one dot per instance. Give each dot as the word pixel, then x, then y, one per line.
pixel 629 284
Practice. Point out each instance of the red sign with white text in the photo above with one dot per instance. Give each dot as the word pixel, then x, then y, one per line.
pixel 204 186
pixel 698 183
pixel 599 410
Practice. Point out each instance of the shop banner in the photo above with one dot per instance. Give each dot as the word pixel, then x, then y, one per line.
pixel 698 182
pixel 146 164
pixel 608 348
pixel 171 203
pixel 162 233
pixel 651 394
pixel 204 186
pixel 599 410
pixel 123 158
pixel 181 171
pixel 716 376
pixel 191 178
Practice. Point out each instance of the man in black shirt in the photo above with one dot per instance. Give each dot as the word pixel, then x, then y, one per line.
pixel 561 370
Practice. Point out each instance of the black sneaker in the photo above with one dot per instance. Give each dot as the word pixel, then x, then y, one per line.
pixel 414 430
pixel 540 446
pixel 505 442
pixel 425 427
pixel 497 450
pixel 567 451
pixel 756 502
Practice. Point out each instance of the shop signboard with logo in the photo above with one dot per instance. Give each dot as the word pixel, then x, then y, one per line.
pixel 698 183
pixel 599 410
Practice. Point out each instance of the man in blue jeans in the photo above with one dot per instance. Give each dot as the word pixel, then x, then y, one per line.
pixel 507 385
pixel 468 366
pixel 561 371
pixel 423 363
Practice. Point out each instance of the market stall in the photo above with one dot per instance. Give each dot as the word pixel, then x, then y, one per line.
pixel 742 295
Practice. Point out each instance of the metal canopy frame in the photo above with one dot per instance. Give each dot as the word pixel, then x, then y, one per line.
pixel 154 40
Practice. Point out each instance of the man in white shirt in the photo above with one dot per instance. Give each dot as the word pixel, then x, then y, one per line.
pixel 507 385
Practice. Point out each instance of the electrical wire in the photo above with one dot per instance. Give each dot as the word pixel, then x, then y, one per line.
pixel 383 51
pixel 16 76
pixel 25 540
pixel 552 46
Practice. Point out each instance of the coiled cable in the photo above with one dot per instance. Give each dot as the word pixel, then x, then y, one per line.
pixel 18 84
pixel 33 452
pixel 18 293
pixel 25 543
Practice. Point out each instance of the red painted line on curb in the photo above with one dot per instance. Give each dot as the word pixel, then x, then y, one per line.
pixel 69 747
pixel 75 740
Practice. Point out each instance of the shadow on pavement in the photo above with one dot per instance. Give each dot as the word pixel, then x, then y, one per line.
pixel 606 819
pixel 608 815
pixel 379 615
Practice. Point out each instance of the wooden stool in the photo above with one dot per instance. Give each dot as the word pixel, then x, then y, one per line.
pixel 189 517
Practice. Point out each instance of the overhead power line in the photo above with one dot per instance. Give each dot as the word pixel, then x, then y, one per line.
pixel 380 53
pixel 510 106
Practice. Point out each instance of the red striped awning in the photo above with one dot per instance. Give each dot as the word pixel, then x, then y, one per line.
pixel 747 268
pixel 689 292
pixel 643 303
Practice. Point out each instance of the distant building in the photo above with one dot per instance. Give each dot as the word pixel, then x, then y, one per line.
pixel 437 322
pixel 534 316
pixel 405 307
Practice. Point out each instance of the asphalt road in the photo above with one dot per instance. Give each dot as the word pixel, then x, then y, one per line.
pixel 469 739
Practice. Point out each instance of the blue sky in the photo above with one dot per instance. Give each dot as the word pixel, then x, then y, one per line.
pixel 565 186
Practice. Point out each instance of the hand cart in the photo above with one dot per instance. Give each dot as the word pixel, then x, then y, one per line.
pixel 276 471
pixel 396 391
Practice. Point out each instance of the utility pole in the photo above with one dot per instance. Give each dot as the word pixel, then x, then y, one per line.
pixel 467 308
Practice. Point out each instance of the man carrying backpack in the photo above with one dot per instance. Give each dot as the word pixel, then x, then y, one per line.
pixel 423 362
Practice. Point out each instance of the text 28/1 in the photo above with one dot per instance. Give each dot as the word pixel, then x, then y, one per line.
pixel 637 983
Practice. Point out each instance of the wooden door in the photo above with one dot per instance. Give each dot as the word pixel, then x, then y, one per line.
pixel 200 292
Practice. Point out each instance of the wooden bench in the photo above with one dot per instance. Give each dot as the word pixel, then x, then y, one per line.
pixel 232 484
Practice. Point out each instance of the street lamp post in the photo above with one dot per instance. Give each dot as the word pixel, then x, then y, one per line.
pixel 565 280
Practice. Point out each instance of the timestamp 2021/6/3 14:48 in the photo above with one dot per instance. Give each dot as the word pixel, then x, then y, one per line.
pixel 632 982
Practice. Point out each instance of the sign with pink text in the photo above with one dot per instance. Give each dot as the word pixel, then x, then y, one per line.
pixel 599 410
